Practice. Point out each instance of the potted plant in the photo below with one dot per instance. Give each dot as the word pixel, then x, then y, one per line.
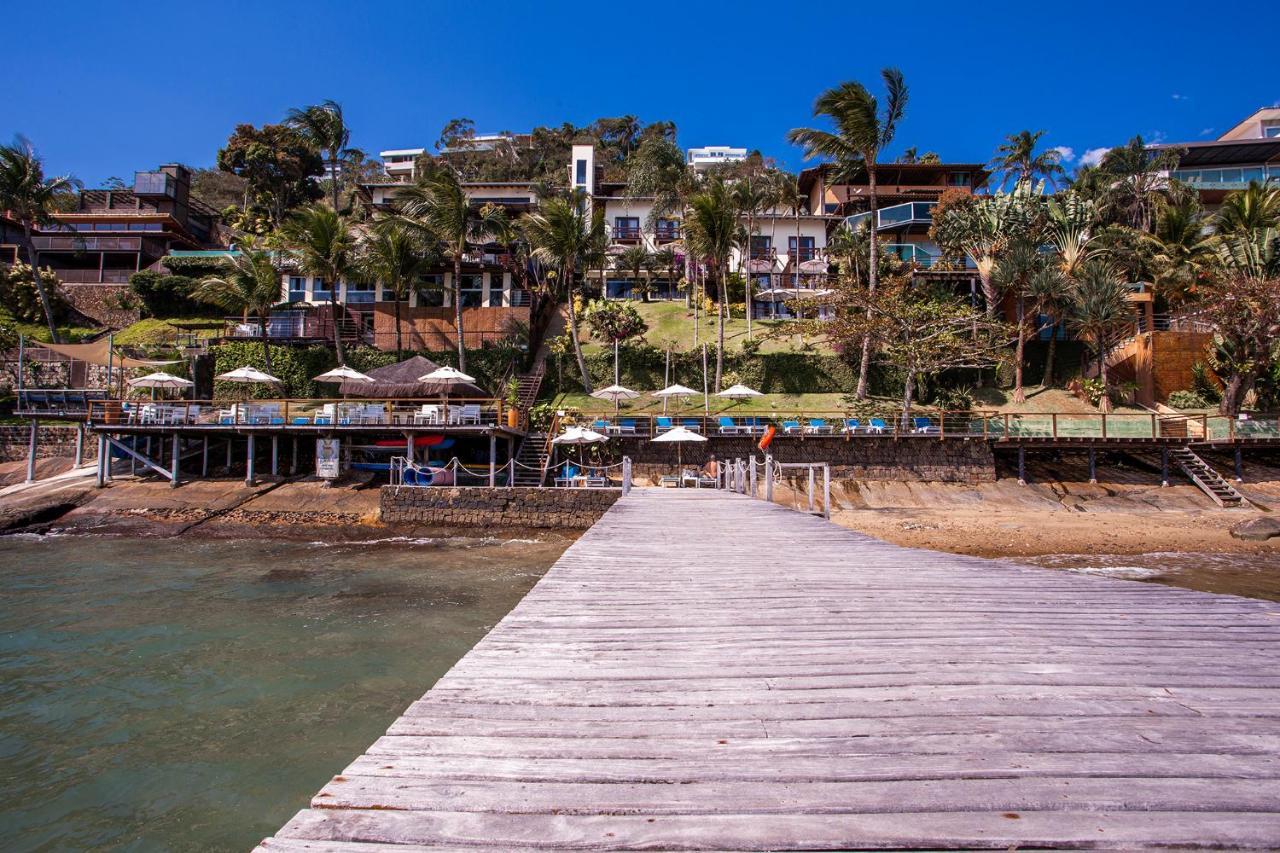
pixel 512 399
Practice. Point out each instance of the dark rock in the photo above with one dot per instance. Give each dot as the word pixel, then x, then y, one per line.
pixel 1257 529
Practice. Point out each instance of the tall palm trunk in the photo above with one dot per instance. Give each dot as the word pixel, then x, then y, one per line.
pixel 333 177
pixel 723 291
pixel 745 269
pixel 873 276
pixel 266 347
pixel 573 329
pixel 335 307
pixel 457 306
pixel 1020 393
pixel 34 256
pixel 1047 379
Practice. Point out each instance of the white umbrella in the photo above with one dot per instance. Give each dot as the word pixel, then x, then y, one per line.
pixel 615 393
pixel 160 380
pixel 675 391
pixel 679 436
pixel 447 376
pixel 342 374
pixel 247 375
pixel 739 392
pixel 579 435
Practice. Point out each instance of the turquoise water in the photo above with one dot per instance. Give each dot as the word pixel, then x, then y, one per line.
pixel 193 695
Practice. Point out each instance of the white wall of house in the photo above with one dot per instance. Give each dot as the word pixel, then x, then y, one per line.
pixel 495 289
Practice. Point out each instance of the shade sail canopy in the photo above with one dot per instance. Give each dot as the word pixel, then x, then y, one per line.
pixel 99 352
pixel 739 392
pixel 248 375
pixel 679 435
pixel 615 393
pixel 402 381
pixel 676 391
pixel 342 374
pixel 579 435
pixel 160 380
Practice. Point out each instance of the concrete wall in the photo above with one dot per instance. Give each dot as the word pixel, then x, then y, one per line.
pixel 53 441
pixel 920 459
pixel 544 509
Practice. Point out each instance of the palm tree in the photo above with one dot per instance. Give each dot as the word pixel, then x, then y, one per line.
pixel 566 235
pixel 862 131
pixel 1014 271
pixel 437 204
pixel 251 285
pixel 663 261
pixel 752 194
pixel 1050 294
pixel 1182 252
pixel 31 199
pixel 396 256
pixel 1250 209
pixel 633 259
pixel 1017 158
pixel 325 127
pixel 1099 308
pixel 712 232
pixel 322 244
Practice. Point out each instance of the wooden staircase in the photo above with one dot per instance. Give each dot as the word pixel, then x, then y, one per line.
pixel 529 385
pixel 1209 481
pixel 531 460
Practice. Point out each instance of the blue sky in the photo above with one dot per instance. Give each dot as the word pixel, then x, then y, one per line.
pixel 126 86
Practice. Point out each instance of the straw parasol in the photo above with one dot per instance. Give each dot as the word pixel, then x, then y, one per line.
pixel 615 393
pixel 679 437
pixel 402 381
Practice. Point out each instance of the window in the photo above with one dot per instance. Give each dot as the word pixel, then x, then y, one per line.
pixel 804 251
pixel 297 288
pixel 360 293
pixel 431 291
pixel 580 175
pixel 761 247
pixel 958 179
pixel 1271 129
pixel 626 228
pixel 668 229
pixel 318 289
pixel 619 288
pixel 472 291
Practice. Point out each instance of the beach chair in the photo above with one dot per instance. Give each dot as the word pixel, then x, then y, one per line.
pixel 817 426
pixel 627 426
pixel 470 414
pixel 924 426
pixel 276 420
pixel 662 424
pixel 754 426
pixel 851 426
pixel 790 427
pixel 601 426
pixel 301 421
pixel 692 424
pixel 878 426
pixel 428 414
pixel 667 481
pixel 727 426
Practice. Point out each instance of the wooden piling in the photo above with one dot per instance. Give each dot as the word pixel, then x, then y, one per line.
pixel 249 479
pixel 31 450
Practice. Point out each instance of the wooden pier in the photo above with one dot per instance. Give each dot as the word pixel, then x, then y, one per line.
pixel 706 671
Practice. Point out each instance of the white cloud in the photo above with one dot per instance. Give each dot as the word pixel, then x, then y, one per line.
pixel 1155 137
pixel 1065 153
pixel 1093 156
pixel 1206 131
pixel 1178 97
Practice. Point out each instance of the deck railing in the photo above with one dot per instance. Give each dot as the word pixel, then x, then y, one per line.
pixel 922 424
pixel 285 413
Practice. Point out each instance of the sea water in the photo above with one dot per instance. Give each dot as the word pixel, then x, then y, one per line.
pixel 170 694
pixel 1253 575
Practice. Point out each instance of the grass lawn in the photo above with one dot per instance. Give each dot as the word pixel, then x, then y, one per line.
pixel 671 325
pixel 40 332
pixel 154 331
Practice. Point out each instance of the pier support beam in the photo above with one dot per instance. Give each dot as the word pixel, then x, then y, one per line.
pixel 177 460
pixel 79 445
pixel 826 492
pixel 1022 466
pixel 230 441
pixel 1164 467
pixel 275 455
pixel 248 463
pixel 811 487
pixel 31 450
pixel 1239 465
pixel 493 459
pixel 293 466
pixel 204 457
pixel 104 461
pixel 626 475
pixel 1093 465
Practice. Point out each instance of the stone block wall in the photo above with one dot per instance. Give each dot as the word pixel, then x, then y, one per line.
pixel 102 303
pixel 544 509
pixel 52 441
pixel 909 458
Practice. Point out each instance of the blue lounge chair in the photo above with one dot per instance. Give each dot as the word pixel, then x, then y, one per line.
pixel 627 425
pixel 277 421
pixel 727 426
pixel 851 425
pixel 691 424
pixel 924 426
pixel 662 424
pixel 878 425
pixel 601 426
pixel 790 426
pixel 817 425
pixel 323 420
pixel 301 421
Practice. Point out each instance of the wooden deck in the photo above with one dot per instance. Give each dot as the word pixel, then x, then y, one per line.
pixel 705 671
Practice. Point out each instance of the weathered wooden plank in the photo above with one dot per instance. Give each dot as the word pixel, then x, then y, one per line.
pixel 679 679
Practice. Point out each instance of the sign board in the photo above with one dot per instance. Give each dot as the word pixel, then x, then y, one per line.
pixel 328 458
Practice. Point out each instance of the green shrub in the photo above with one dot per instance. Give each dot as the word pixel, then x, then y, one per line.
pixel 1188 399
pixel 165 295
pixel 19 295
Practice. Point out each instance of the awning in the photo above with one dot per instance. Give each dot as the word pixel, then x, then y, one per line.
pixel 99 352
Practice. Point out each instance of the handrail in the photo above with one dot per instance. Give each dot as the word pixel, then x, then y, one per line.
pixel 316 411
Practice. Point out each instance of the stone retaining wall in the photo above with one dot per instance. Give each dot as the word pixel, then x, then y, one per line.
pixel 916 459
pixel 52 441
pixel 556 509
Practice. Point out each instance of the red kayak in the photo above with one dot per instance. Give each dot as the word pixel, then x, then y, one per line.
pixel 418 441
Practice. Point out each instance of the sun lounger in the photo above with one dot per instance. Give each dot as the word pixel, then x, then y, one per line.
pixel 790 427
pixel 662 424
pixel 878 425
pixel 851 426
pixel 627 426
pixel 817 426
pixel 668 481
pixel 727 426
pixel 691 424
pixel 924 426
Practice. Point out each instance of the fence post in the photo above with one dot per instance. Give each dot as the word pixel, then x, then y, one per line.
pixel 177 459
pixel 751 473
pixel 103 461
pixel 742 476
pixel 826 491
pixel 811 484
pixel 768 477
pixel 626 475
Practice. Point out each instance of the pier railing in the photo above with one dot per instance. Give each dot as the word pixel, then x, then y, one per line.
pixel 285 413
pixel 1012 426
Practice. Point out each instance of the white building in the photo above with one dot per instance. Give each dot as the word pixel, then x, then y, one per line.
pixel 399 162
pixel 711 155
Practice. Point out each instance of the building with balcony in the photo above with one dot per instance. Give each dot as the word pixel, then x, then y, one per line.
pixel 715 155
pixel 1250 151
pixel 401 163
pixel 113 233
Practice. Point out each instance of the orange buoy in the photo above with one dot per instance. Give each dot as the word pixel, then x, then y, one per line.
pixel 767 437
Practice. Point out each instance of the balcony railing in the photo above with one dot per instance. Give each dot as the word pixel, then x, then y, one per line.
pixel 94 276
pixel 897 216
pixel 667 235
pixel 87 244
pixel 626 233
pixel 763 253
